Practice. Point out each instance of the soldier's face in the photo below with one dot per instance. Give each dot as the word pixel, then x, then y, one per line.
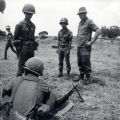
pixel 63 25
pixel 8 29
pixel 28 16
pixel 82 15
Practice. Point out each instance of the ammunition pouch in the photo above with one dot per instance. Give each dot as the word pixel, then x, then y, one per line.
pixel 17 44
pixel 30 44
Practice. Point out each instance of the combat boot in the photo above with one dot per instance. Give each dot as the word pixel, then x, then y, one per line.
pixel 60 74
pixel 81 77
pixel 88 78
pixel 68 73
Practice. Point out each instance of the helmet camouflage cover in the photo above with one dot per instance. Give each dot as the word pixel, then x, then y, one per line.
pixel 64 20
pixel 34 65
pixel 28 8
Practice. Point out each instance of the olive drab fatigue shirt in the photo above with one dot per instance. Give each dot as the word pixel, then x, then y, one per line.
pixel 25 31
pixel 85 29
pixel 30 90
pixel 65 36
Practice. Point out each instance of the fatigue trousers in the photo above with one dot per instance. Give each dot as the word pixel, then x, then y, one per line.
pixel 9 44
pixel 84 62
pixel 63 54
pixel 25 54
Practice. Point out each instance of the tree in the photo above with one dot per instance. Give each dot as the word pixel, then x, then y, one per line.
pixel 113 32
pixel 104 32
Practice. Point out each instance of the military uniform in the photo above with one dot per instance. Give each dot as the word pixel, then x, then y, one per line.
pixel 30 92
pixel 64 38
pixel 86 26
pixel 24 32
pixel 9 44
pixel 25 98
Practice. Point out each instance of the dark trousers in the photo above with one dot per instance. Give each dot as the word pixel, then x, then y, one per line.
pixel 84 62
pixel 8 45
pixel 25 54
pixel 62 55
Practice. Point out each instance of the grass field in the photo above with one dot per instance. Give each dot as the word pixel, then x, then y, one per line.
pixel 102 97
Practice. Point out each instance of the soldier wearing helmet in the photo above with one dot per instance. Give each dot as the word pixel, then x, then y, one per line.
pixel 24 37
pixel 30 91
pixel 84 42
pixel 9 44
pixel 64 44
pixel 2 5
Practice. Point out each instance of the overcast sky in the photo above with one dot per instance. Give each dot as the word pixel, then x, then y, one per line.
pixel 49 13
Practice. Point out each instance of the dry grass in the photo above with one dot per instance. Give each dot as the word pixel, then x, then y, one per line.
pixel 101 97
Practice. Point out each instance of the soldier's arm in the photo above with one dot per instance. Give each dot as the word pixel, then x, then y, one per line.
pixel 17 32
pixel 34 27
pixel 96 30
pixel 70 39
pixel 58 41
pixel 97 33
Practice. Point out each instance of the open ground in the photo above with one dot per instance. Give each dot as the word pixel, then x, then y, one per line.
pixel 102 97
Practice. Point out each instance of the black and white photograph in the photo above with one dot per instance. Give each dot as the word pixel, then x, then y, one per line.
pixel 59 60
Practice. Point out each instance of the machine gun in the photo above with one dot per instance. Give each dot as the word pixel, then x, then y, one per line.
pixel 35 114
pixel 60 104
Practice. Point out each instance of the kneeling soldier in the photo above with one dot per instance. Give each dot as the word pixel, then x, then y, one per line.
pixel 29 92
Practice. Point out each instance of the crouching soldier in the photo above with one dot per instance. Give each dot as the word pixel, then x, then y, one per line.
pixel 64 44
pixel 29 92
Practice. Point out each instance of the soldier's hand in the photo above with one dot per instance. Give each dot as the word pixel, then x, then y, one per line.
pixel 57 51
pixel 88 43
pixel 68 52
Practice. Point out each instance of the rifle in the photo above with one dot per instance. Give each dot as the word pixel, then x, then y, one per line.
pixel 59 104
pixel 62 100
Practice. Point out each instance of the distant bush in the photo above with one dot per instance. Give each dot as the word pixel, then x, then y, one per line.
pixel 2 33
pixel 112 32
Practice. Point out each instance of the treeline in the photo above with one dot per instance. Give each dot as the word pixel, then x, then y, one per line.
pixel 110 32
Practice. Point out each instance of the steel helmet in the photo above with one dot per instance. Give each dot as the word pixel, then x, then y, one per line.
pixel 2 5
pixel 82 10
pixel 64 20
pixel 7 27
pixel 34 65
pixel 28 8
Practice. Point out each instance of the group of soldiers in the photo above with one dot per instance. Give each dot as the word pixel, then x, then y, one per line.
pixel 29 91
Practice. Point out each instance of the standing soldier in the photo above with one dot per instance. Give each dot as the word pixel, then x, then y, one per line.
pixel 64 44
pixel 84 42
pixel 9 41
pixel 24 37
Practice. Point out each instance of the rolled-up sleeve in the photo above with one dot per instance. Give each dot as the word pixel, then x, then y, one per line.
pixel 93 26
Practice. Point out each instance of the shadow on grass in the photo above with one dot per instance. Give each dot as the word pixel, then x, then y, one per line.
pixel 98 81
